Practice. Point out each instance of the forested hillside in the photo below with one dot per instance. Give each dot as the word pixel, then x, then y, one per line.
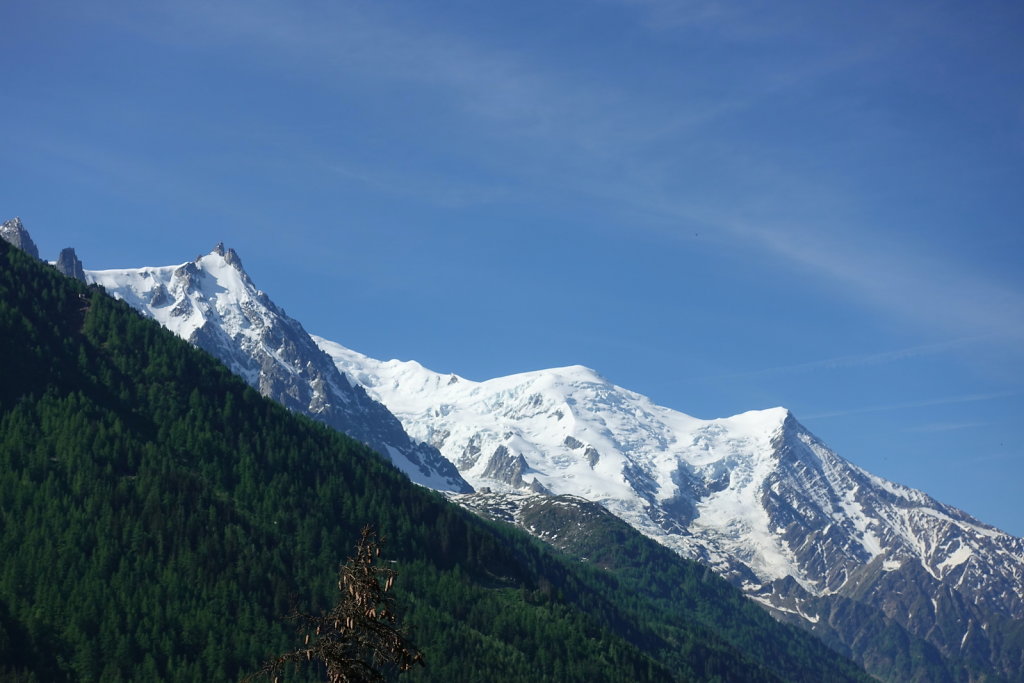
pixel 158 518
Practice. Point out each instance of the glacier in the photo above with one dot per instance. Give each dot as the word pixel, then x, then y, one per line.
pixel 756 495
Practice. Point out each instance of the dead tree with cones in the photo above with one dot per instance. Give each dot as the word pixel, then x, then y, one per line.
pixel 358 639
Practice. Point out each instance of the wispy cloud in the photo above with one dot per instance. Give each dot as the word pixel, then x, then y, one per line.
pixel 862 360
pixel 995 457
pixel 521 95
pixel 556 130
pixel 503 86
pixel 945 427
pixel 902 278
pixel 950 400
pixel 437 190
pixel 723 17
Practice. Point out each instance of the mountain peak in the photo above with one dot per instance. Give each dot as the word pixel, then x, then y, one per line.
pixel 229 255
pixel 232 259
pixel 766 421
pixel 14 232
pixel 779 415
pixel 69 264
pixel 578 369
pixel 214 304
pixel 580 373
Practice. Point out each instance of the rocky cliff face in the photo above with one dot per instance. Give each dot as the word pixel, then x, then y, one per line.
pixel 212 302
pixel 14 232
pixel 69 265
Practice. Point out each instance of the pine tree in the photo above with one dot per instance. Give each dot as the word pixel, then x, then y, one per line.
pixel 357 639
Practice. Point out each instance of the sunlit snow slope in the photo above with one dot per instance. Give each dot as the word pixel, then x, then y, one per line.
pixel 756 495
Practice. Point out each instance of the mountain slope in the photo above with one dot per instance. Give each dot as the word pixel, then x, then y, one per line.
pixel 756 496
pixel 213 303
pixel 157 513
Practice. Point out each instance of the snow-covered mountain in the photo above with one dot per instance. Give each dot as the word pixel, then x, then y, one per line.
pixel 213 303
pixel 880 571
pixel 756 495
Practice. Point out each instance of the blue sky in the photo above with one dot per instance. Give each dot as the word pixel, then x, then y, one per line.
pixel 725 206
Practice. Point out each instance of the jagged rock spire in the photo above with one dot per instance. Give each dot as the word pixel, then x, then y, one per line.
pixel 14 232
pixel 232 259
pixel 69 264
pixel 229 255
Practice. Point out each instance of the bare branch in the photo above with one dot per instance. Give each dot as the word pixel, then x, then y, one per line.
pixel 358 637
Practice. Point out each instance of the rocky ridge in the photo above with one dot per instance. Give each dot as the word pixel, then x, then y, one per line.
pixel 212 302
pixel 756 496
pixel 68 264
pixel 14 232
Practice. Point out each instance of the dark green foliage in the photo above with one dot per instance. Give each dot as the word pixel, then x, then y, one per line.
pixel 22 657
pixel 158 519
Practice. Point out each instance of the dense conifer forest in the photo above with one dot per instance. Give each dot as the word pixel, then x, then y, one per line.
pixel 158 519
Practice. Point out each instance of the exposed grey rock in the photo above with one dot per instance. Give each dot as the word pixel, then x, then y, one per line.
pixel 69 265
pixel 538 487
pixel 161 297
pixel 14 232
pixel 505 467
pixel 438 438
pixel 232 259
pixel 189 274
pixel 470 454
pixel 182 309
